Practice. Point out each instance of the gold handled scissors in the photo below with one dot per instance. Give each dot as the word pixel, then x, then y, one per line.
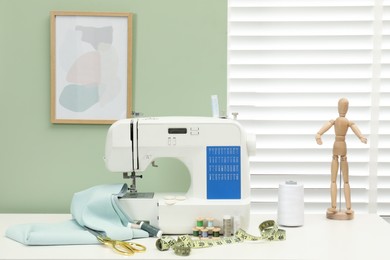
pixel 118 246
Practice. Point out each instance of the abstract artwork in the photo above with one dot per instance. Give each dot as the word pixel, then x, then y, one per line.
pixel 90 67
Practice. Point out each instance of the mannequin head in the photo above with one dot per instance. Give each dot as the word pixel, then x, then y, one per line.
pixel 343 106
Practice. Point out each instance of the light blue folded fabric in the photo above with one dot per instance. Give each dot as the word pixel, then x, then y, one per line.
pixel 96 208
pixel 64 233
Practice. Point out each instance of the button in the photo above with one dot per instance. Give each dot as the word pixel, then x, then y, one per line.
pixel 170 202
pixel 180 198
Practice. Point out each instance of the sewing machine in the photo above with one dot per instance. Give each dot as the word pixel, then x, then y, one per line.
pixel 214 150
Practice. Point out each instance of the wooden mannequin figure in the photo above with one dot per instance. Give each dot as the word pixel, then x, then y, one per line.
pixel 341 125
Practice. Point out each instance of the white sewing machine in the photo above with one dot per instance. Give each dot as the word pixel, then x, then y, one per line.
pixel 214 150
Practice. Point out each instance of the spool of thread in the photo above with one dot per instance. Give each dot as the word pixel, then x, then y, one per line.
pixel 216 232
pixel 195 232
pixel 290 204
pixel 205 233
pixel 153 231
pixel 199 222
pixel 227 225
pixel 210 222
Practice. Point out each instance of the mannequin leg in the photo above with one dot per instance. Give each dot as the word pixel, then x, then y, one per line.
pixel 347 188
pixel 333 185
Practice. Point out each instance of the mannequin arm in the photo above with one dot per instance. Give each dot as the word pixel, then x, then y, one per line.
pixel 323 129
pixel 357 132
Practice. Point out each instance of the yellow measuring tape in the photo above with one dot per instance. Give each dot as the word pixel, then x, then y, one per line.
pixel 182 246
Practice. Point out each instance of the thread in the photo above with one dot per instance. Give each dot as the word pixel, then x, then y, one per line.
pixel 210 222
pixel 205 233
pixel 199 222
pixel 195 232
pixel 290 204
pixel 216 232
pixel 227 225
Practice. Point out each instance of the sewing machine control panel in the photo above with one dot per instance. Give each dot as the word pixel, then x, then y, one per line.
pixel 177 130
pixel 191 131
pixel 180 131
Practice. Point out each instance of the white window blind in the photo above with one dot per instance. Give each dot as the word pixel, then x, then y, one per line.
pixel 384 112
pixel 289 62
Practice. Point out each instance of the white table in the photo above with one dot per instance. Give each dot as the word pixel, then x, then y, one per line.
pixel 365 237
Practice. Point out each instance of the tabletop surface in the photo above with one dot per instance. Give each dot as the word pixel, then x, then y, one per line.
pixel 367 236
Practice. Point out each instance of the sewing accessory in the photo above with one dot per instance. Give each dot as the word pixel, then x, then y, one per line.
pixel 118 246
pixel 205 233
pixel 210 222
pixel 227 226
pixel 199 222
pixel 291 204
pixel 195 232
pixel 269 231
pixel 153 231
pixel 216 232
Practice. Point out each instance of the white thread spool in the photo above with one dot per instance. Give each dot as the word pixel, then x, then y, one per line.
pixel 290 204
pixel 227 225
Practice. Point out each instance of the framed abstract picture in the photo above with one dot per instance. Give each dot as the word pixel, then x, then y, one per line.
pixel 91 67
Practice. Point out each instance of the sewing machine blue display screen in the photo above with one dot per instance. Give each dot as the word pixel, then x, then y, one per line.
pixel 223 172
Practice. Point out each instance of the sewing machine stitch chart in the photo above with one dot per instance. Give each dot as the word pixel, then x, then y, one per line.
pixel 223 172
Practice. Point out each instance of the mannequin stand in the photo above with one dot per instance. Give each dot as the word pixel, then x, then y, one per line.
pixel 339 214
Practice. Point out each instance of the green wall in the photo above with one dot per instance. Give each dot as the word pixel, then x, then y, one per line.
pixel 179 61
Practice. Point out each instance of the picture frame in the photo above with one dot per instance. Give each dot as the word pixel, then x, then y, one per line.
pixel 91 67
